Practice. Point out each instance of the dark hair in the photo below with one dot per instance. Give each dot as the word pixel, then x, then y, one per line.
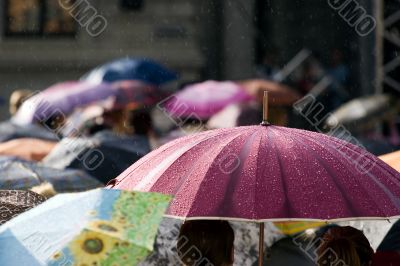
pixel 202 242
pixel 346 244
pixel 141 121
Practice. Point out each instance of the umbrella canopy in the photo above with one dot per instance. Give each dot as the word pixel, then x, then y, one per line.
pixel 63 98
pixel 145 70
pixel 15 202
pixel 359 112
pixel 262 173
pixel 10 130
pixel 28 149
pixel 202 100
pixel 134 94
pixel 98 227
pixel 392 159
pixel 104 156
pixel 20 174
pixel 391 242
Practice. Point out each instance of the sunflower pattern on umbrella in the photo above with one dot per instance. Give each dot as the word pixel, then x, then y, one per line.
pixel 121 233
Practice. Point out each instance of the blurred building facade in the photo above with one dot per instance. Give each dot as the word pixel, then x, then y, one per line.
pixel 42 44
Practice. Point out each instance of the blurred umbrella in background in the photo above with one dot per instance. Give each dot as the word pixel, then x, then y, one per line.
pixel 361 117
pixel 133 94
pixel 27 149
pixel 279 94
pixel 98 227
pixel 392 159
pixel 235 115
pixel 15 202
pixel 63 98
pixel 145 70
pixel 129 96
pixel 60 100
pixel 104 156
pixel 202 100
pixel 10 130
pixel 388 252
pixel 359 114
pixel 21 175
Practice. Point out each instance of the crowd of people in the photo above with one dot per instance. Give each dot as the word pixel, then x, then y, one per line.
pixel 125 133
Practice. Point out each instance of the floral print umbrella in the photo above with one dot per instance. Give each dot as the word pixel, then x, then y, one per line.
pixel 15 202
pixel 98 227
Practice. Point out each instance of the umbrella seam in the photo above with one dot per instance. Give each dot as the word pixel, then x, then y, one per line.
pixel 395 200
pixel 329 171
pixel 171 145
pixel 283 183
pixel 233 139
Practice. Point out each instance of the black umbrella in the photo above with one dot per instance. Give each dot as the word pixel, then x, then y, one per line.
pixel 104 156
pixel 391 242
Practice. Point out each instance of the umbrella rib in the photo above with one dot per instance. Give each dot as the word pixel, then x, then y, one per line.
pixel 394 199
pixel 329 171
pixel 169 146
pixel 188 150
pixel 233 139
pixel 235 175
pixel 259 169
pixel 359 151
pixel 283 183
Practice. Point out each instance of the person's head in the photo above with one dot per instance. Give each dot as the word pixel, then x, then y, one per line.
pixel 347 245
pixel 141 122
pixel 202 242
pixel 17 98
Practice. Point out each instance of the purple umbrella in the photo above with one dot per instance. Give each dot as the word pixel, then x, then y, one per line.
pixel 202 100
pixel 267 173
pixel 63 98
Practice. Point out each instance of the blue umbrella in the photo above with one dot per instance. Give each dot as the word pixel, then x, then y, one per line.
pixel 19 174
pixel 131 69
pixel 97 227
pixel 10 130
pixel 103 156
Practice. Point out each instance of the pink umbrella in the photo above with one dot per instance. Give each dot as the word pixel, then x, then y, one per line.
pixel 202 100
pixel 267 173
pixel 262 173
